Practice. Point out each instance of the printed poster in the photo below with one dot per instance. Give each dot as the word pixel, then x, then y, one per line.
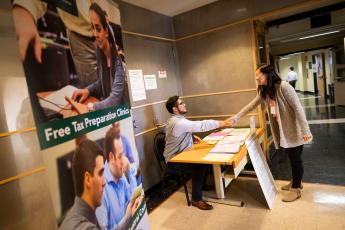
pixel 150 82
pixel 137 84
pixel 74 66
pixel 162 74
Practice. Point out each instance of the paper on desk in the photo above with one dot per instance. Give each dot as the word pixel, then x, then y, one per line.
pixel 218 157
pixel 213 138
pixel 56 100
pixel 218 134
pixel 227 130
pixel 241 133
pixel 211 142
pixel 226 148
pixel 233 139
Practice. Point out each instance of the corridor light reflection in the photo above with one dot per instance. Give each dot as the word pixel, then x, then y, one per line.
pixel 317 35
pixel 326 198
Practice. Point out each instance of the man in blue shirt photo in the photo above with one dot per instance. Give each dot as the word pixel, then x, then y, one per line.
pixel 116 209
pixel 127 149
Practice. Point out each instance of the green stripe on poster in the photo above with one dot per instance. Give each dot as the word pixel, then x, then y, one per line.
pixel 138 215
pixel 59 131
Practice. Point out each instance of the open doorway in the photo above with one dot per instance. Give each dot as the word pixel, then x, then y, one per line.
pixel 314 70
pixel 314 50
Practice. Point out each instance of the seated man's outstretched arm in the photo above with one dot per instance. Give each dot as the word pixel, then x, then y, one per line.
pixel 185 125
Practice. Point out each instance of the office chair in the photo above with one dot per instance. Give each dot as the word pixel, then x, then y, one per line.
pixel 158 147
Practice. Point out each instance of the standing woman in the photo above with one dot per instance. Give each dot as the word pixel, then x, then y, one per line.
pixel 111 86
pixel 289 126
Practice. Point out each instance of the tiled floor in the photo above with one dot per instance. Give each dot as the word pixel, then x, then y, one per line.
pixel 321 207
pixel 324 158
pixel 318 108
pixel 323 202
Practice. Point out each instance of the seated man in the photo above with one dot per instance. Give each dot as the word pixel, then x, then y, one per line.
pixel 179 137
pixel 116 209
pixel 87 170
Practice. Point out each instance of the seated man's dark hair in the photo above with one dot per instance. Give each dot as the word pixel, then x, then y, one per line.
pixel 171 102
pixel 84 160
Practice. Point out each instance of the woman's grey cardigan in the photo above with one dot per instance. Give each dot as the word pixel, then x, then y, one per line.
pixel 290 127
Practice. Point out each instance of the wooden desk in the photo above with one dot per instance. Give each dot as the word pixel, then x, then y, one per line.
pixel 197 153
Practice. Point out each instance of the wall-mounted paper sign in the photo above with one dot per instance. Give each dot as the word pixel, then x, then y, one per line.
pixel 150 81
pixel 137 84
pixel 162 73
pixel 314 68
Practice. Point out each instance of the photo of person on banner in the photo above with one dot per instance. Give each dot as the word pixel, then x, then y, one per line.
pixel 111 86
pixel 122 196
pixel 61 56
pixel 88 181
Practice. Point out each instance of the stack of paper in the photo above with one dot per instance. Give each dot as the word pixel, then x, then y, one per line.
pixel 240 133
pixel 231 143
pixel 213 138
pixel 226 148
pixel 217 136
pixel 233 139
pixel 227 130
pixel 56 100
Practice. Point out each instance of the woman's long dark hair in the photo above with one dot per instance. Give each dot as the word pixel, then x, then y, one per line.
pixel 102 14
pixel 273 80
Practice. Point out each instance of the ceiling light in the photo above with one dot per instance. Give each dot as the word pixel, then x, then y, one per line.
pixel 302 52
pixel 241 10
pixel 317 35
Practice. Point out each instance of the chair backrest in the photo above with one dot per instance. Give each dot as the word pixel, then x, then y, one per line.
pixel 158 148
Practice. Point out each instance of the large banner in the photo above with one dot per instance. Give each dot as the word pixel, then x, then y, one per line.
pixel 74 64
pixel 71 69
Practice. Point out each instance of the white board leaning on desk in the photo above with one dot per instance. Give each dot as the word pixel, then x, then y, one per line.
pixel 262 170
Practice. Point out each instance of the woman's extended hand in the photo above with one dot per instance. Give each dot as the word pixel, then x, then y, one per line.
pixel 226 123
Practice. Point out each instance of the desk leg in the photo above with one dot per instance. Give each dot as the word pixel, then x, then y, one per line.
pixel 218 181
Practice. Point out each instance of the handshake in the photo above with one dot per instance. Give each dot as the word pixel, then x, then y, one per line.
pixel 227 123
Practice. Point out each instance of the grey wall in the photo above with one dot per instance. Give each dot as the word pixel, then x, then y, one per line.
pixel 223 12
pixel 217 62
pixel 150 55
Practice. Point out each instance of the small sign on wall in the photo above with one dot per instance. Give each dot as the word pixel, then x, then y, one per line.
pixel 314 68
pixel 137 84
pixel 162 73
pixel 150 82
